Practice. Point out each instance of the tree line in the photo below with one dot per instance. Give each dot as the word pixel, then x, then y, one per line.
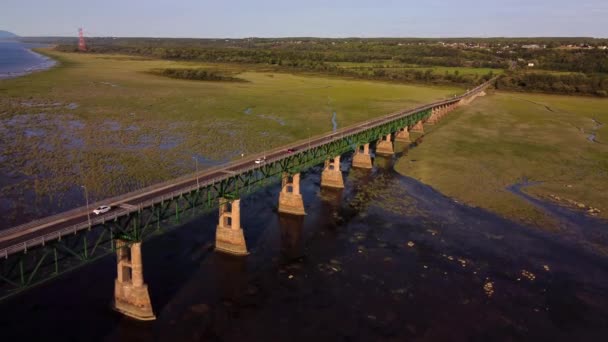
pixel 412 59
pixel 571 84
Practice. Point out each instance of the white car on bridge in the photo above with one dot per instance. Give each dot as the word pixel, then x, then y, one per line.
pixel 102 209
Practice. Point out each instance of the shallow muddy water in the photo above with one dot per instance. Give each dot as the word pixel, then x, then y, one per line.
pixel 385 259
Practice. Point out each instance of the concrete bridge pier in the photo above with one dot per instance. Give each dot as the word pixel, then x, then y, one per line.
pixel 331 176
pixel 418 127
pixel 362 159
pixel 447 110
pixel 290 199
pixel 403 135
pixel 131 296
pixel 444 111
pixel 438 113
pixel 385 146
pixel 229 236
pixel 434 118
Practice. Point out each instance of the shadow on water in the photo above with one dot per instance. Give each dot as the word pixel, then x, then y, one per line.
pixel 587 231
pixel 386 258
pixel 292 243
pixel 568 218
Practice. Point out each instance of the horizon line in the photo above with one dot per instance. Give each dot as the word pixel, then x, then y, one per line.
pixel 322 37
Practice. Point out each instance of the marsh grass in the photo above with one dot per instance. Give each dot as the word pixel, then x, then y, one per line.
pixel 504 138
pixel 103 121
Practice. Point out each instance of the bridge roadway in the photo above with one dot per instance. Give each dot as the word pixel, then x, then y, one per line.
pixel 22 237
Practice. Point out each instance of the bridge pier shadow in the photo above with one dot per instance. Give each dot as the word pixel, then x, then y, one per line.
pixel 291 230
pixel 331 200
pixel 231 276
pixel 401 149
pixel 384 162
pixel 358 178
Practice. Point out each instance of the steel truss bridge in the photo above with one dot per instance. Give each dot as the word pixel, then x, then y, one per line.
pixel 41 250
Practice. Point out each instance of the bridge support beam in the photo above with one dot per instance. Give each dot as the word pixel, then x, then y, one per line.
pixel 385 146
pixel 418 127
pixel 403 135
pixel 131 296
pixel 331 177
pixel 290 199
pixel 362 159
pixel 229 236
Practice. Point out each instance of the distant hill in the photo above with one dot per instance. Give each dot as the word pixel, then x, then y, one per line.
pixel 6 34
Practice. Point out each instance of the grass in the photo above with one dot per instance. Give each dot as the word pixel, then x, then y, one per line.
pixel 106 122
pixel 480 149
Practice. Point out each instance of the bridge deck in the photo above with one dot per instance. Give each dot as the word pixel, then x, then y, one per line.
pixel 34 233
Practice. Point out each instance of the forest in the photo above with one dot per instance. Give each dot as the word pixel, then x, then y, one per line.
pixel 576 84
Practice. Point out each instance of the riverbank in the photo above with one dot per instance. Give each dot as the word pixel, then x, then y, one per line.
pixel 19 59
pixel 502 139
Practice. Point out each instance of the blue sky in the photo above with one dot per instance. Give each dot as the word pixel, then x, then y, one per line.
pixel 329 18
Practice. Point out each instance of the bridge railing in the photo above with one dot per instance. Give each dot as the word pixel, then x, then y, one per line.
pixel 318 141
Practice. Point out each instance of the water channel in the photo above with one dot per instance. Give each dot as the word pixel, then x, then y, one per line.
pixel 385 259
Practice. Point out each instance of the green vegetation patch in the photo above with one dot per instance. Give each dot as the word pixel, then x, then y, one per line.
pixel 199 74
pixel 504 138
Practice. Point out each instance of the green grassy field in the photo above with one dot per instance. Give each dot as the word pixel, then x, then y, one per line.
pixel 104 121
pixel 480 149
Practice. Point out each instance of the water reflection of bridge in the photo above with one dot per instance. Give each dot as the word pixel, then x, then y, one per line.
pixel 41 250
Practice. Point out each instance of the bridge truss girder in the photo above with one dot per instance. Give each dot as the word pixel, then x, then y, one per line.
pixel 33 266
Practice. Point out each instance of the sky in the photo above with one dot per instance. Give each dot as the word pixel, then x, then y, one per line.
pixel 306 18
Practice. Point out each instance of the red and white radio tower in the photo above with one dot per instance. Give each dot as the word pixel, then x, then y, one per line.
pixel 81 44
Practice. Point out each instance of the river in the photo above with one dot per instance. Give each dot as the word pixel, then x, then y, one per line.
pixel 17 59
pixel 386 259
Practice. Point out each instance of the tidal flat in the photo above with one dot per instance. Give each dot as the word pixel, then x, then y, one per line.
pixel 103 121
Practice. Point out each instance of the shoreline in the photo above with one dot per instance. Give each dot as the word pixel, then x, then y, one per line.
pixel 46 64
